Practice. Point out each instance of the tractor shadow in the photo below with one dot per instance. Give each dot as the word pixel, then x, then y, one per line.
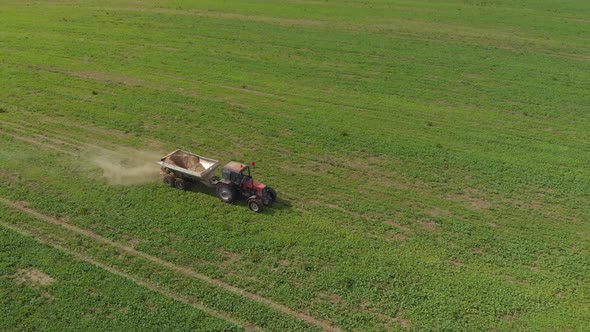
pixel 202 189
pixel 279 205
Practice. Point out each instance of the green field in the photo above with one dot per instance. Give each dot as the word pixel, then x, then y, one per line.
pixel 432 161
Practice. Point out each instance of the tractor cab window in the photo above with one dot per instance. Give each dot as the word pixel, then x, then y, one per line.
pixel 236 177
pixel 246 171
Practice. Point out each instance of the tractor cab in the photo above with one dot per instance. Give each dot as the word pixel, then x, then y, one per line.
pixel 235 173
pixel 238 175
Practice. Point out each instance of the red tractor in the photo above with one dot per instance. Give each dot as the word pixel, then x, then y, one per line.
pixel 181 168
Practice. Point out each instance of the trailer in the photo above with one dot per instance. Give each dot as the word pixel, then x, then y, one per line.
pixel 181 169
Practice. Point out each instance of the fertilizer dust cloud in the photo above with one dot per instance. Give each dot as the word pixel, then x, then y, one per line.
pixel 127 166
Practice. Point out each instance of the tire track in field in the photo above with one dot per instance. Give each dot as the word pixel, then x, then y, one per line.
pixel 81 143
pixel 326 326
pixel 168 293
pixel 75 143
pixel 26 127
pixel 81 148
pixel 54 134
pixel 86 127
pixel 34 132
pixel 36 142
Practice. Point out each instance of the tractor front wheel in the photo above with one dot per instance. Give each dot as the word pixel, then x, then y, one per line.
pixel 226 193
pixel 255 205
pixel 269 196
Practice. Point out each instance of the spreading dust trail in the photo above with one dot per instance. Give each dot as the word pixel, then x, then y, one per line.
pixel 127 166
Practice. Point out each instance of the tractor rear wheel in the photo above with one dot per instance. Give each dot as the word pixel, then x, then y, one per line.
pixel 169 180
pixel 180 184
pixel 226 193
pixel 255 205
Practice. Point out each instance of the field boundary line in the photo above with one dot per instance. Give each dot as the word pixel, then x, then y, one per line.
pixel 168 293
pixel 183 270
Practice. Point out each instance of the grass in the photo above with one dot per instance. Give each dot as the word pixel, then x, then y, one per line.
pixel 431 158
pixel 109 302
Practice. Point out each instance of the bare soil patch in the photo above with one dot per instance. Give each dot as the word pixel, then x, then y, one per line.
pixel 472 198
pixel 106 77
pixel 457 262
pixel 403 323
pixel 429 226
pixel 33 277
pixel 230 258
pixel 396 225
pixel 331 297
pixel 437 211
pixel 399 237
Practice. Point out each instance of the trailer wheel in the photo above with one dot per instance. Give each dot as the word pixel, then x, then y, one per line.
pixel 180 184
pixel 255 205
pixel 226 193
pixel 169 180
